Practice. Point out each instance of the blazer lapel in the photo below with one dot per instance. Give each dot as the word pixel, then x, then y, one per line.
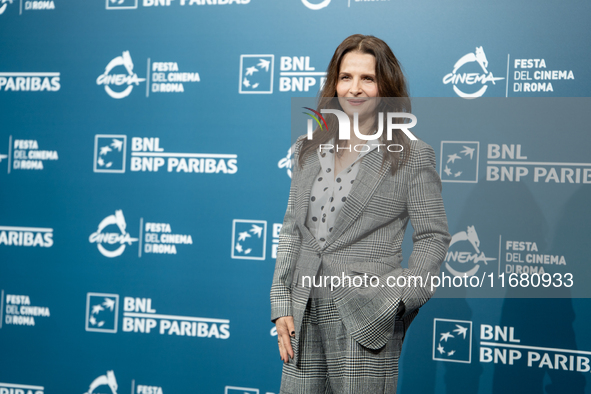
pixel 306 180
pixel 366 182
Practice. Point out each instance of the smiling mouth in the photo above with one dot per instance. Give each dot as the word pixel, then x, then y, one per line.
pixel 356 101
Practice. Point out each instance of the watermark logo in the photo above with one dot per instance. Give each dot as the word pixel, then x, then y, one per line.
pixel 109 153
pixel 101 312
pixel 122 237
pixel 458 79
pixel 107 380
pixel 465 262
pixel 344 125
pixel 249 239
pixel 318 115
pixel 459 161
pixel 130 79
pixel 452 340
pixel 316 6
pixel 256 74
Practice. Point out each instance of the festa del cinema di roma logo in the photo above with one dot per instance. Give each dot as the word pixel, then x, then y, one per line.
pixel 29 5
pixel 107 384
pixel 3 5
pixel 129 80
pixel 108 380
pixel 460 260
pixel 122 238
pixel 457 79
pixel 316 5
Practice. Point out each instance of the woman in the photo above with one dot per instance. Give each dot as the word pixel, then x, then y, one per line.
pixel 346 216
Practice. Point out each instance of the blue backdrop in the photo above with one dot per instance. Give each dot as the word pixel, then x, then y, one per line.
pixel 144 155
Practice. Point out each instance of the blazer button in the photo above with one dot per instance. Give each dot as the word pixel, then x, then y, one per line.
pixel 319 254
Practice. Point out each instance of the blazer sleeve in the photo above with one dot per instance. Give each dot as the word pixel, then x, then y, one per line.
pixel 290 241
pixel 431 237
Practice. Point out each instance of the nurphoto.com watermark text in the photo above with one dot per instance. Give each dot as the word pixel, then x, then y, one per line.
pixel 432 282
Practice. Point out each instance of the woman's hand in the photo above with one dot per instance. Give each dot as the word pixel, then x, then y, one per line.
pixel 285 330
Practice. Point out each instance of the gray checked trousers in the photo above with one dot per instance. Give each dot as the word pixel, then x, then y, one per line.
pixel 331 361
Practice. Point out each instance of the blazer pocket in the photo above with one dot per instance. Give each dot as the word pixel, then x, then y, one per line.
pixel 371 268
pixel 399 328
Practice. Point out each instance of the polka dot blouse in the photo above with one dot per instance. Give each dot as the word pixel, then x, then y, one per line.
pixel 329 192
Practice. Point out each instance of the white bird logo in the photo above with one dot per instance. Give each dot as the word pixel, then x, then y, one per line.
pixel 243 235
pixel 251 70
pixel 445 336
pixel 117 144
pixel 264 64
pixel 258 230
pixel 461 330
pixel 453 158
pixel 468 151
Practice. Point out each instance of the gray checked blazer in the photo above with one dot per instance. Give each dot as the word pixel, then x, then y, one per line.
pixel 367 239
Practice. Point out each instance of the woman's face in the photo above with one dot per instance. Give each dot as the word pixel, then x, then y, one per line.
pixel 357 82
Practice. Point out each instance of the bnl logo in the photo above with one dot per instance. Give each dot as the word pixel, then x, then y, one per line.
pixel 256 74
pixel 109 153
pixel 452 340
pixel 121 4
pixel 459 161
pixel 249 239
pixel 101 312
pixel 296 74
pixel 241 390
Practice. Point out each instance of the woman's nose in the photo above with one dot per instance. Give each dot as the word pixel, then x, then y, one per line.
pixel 356 86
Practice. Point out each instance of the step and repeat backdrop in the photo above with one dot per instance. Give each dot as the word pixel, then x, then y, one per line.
pixel 145 170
